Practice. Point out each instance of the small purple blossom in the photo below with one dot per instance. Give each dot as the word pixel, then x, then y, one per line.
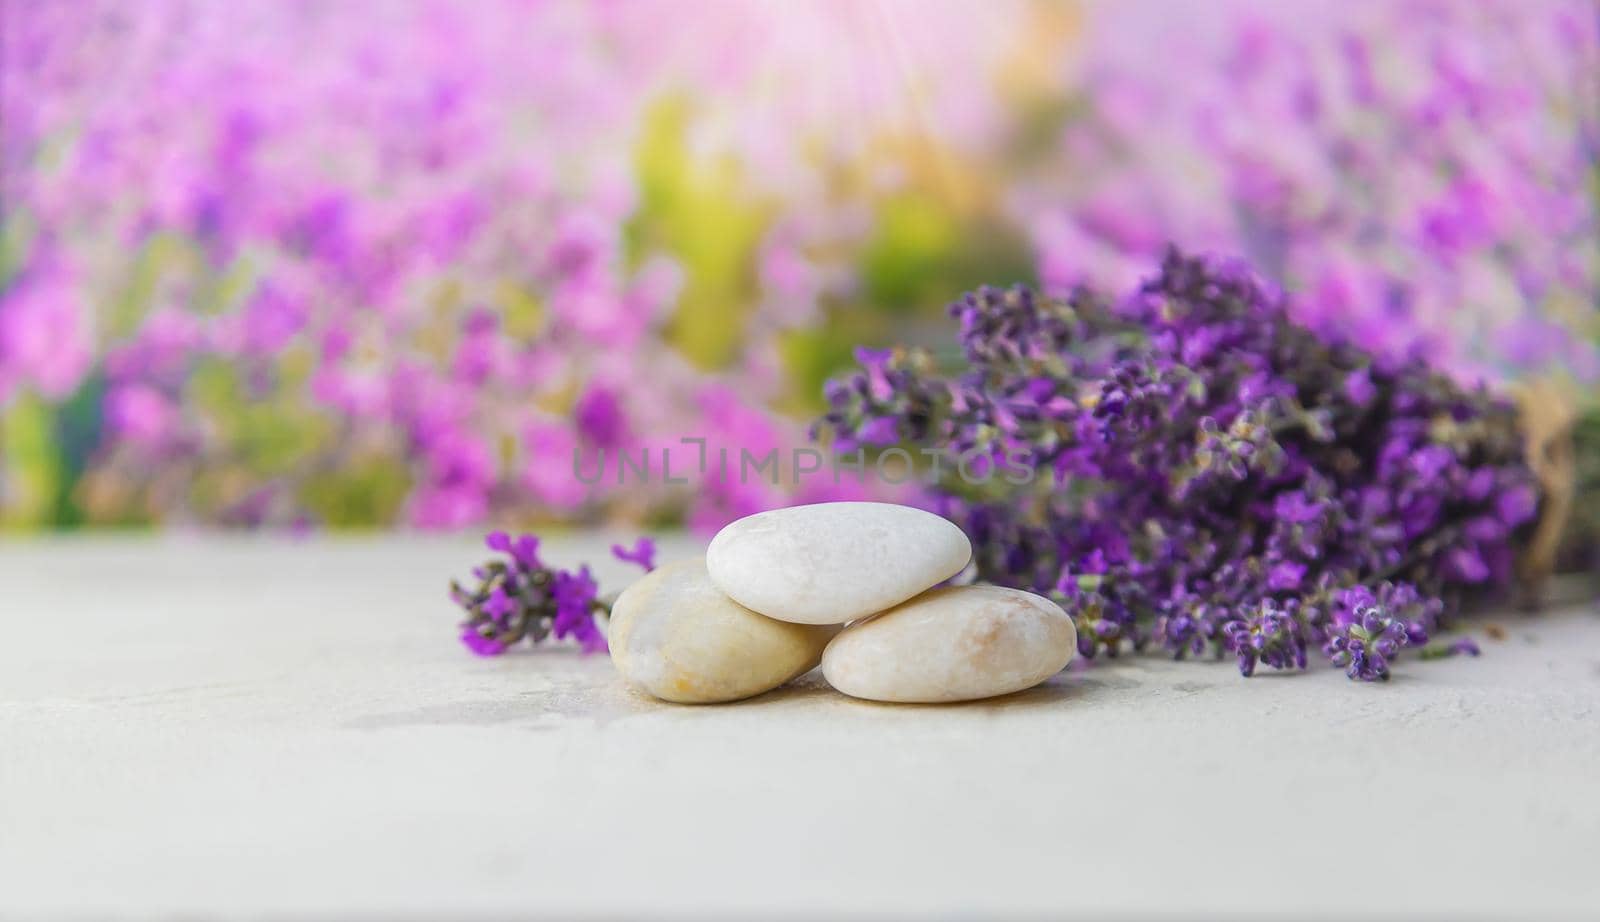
pixel 574 594
pixel 500 605
pixel 480 643
pixel 1369 630
pixel 600 419
pixel 1269 635
pixel 643 553
pixel 524 550
pixel 881 431
pixel 1359 388
pixel 1286 575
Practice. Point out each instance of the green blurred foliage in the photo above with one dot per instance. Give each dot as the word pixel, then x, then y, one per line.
pixel 703 214
pixel 45 449
pixel 32 464
pixel 1583 532
pixel 925 253
pixel 16 236
pixel 932 240
pixel 78 425
pixel 363 493
pixel 267 433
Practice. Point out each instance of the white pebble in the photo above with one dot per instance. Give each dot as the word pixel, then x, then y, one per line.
pixel 834 562
pixel 674 635
pixel 952 644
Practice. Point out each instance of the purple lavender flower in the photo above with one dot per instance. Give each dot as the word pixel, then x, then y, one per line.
pixel 524 551
pixel 480 643
pixel 499 606
pixel 1369 629
pixel 520 597
pixel 1102 621
pixel 600 418
pixel 1364 644
pixel 1269 635
pixel 574 594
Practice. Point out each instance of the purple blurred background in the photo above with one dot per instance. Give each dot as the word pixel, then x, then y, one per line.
pixel 382 263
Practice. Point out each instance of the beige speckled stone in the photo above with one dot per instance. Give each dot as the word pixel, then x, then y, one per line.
pixel 830 563
pixel 952 644
pixel 676 636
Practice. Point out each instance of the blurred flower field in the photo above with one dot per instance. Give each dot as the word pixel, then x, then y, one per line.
pixel 390 264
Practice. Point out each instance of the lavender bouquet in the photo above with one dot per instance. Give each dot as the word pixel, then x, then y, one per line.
pixel 1198 473
pixel 1186 468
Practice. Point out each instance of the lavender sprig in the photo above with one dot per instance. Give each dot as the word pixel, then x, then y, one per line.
pixel 1270 635
pixel 1369 629
pixel 520 597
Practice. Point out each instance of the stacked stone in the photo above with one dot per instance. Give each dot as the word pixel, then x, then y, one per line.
pixel 853 586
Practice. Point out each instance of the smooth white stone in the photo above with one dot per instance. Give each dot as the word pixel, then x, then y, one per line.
pixel 834 562
pixel 953 644
pixel 674 635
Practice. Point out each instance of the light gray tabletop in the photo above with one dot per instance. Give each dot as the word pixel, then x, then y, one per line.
pixel 242 727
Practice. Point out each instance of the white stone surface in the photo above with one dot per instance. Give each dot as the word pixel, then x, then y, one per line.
pixel 828 563
pixel 958 643
pixel 206 728
pixel 676 636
